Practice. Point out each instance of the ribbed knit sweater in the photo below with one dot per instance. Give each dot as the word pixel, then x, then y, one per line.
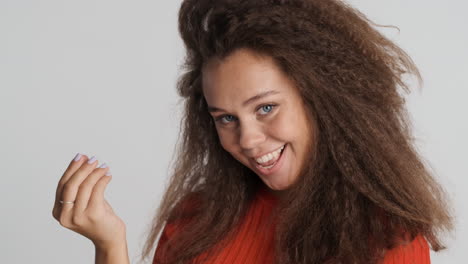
pixel 253 243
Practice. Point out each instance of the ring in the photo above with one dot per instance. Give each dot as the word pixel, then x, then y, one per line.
pixel 62 202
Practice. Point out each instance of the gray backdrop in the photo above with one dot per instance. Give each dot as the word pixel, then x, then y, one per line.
pixel 98 77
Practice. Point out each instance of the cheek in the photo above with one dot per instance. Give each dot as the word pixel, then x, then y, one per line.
pixel 226 140
pixel 291 126
pixel 285 126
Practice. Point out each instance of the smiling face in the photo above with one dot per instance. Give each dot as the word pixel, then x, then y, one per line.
pixel 258 111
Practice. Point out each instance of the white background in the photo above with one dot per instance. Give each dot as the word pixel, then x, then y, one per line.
pixel 98 77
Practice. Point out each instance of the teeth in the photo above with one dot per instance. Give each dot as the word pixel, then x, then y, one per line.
pixel 269 156
pixel 267 167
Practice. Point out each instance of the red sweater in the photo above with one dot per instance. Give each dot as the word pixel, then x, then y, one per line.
pixel 253 244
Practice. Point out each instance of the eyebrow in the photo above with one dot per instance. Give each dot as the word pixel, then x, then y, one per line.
pixel 248 101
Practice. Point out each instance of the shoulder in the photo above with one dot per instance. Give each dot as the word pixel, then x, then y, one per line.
pixel 416 251
pixel 183 212
pixel 180 216
pixel 188 204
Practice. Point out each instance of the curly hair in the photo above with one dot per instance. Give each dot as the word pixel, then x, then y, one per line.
pixel 364 180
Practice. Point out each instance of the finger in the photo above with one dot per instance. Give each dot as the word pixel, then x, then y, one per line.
pixel 86 188
pixel 97 196
pixel 74 165
pixel 70 188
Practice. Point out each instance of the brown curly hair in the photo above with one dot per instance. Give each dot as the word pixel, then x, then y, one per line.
pixel 364 181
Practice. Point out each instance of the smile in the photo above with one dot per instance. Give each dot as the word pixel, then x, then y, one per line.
pixel 270 158
pixel 273 164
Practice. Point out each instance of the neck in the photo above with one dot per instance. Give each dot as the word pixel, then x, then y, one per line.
pixel 277 194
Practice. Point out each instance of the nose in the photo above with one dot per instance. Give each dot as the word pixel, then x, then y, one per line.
pixel 251 135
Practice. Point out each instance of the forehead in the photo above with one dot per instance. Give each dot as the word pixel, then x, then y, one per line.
pixel 241 75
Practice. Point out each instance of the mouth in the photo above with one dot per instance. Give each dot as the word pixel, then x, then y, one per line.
pixel 271 168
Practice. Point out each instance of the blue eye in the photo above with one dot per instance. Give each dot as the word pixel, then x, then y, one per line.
pixel 267 108
pixel 228 118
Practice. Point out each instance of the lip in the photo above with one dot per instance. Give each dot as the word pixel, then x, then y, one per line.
pixel 255 159
pixel 273 169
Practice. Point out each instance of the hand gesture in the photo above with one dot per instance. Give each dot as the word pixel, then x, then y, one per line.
pixel 80 204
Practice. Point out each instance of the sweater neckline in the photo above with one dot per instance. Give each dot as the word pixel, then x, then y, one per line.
pixel 265 195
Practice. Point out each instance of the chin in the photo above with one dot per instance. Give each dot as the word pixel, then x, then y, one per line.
pixel 276 187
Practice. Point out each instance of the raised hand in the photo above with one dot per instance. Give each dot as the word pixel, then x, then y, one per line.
pixel 80 205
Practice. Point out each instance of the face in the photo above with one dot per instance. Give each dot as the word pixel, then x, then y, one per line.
pixel 259 115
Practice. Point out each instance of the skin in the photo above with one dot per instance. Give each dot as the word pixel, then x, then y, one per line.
pixel 250 130
pixel 244 130
pixel 91 215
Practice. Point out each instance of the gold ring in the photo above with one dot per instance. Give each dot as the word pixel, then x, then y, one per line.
pixel 62 202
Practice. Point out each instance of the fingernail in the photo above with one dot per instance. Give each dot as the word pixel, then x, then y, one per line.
pixel 108 173
pixel 77 157
pixel 92 159
pixel 104 165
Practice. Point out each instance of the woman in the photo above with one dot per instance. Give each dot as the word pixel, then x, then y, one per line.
pixel 296 145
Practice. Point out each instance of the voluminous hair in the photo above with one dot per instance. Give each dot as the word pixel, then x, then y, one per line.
pixel 364 186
